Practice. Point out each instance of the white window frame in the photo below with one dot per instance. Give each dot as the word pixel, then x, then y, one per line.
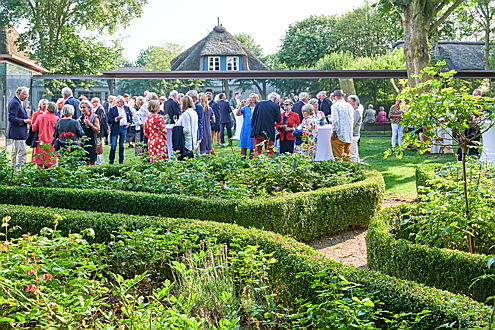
pixel 213 63
pixel 233 62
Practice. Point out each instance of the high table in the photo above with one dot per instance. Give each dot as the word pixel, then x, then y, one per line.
pixel 324 146
pixel 169 140
pixel 488 153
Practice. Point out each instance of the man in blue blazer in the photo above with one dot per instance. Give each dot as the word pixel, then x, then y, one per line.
pixel 303 99
pixel 224 111
pixel 119 118
pixel 70 99
pixel 17 126
pixel 171 106
pixel 324 104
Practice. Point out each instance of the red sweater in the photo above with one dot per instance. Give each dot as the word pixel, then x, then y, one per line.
pixel 292 121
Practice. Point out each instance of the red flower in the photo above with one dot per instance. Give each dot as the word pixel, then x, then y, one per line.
pixel 277 238
pixel 47 277
pixel 68 135
pixel 31 272
pixel 31 288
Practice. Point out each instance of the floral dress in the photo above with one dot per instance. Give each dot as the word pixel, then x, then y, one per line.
pixel 309 128
pixel 155 129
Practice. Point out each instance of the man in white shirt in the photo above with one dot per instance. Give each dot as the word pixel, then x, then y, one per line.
pixel 119 119
pixel 342 120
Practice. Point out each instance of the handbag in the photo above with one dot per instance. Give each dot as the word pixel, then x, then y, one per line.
pixel 32 139
pixel 99 147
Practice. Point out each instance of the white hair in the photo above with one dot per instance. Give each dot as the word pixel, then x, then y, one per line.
pixel 322 93
pixel 193 93
pixel 150 96
pixel 355 98
pixel 68 110
pixel 88 104
pixel 120 98
pixel 273 96
pixel 21 90
pixel 313 101
pixel 173 94
pixel 66 91
pixel 303 95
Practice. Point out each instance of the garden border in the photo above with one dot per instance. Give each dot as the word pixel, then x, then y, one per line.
pixel 425 172
pixel 441 268
pixel 398 295
pixel 303 215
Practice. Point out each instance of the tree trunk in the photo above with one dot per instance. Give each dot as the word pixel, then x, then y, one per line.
pixel 486 49
pixel 470 238
pixel 416 50
pixel 347 86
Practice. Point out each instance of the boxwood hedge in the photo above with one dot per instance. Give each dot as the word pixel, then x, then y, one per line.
pixel 424 173
pixel 445 269
pixel 293 258
pixel 304 215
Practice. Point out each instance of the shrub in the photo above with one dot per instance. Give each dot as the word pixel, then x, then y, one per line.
pixel 292 257
pixel 445 269
pixel 304 215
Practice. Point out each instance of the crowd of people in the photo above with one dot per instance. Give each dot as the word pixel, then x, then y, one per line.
pixel 284 125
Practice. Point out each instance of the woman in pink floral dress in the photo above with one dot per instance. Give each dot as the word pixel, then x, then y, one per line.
pixel 309 128
pixel 155 130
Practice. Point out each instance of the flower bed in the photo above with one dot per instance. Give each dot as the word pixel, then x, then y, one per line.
pixel 292 258
pixel 303 215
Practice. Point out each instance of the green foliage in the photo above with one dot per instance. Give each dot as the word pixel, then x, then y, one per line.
pixel 312 214
pixel 397 296
pixel 157 58
pixel 247 41
pixel 390 251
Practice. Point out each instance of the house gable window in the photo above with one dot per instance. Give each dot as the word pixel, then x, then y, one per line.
pixel 232 63
pixel 213 63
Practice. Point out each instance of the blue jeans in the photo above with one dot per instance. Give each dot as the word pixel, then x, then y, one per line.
pixel 113 138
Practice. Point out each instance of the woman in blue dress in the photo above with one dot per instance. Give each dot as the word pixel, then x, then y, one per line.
pixel 246 109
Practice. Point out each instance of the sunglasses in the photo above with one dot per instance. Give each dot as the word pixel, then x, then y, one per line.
pixel 287 104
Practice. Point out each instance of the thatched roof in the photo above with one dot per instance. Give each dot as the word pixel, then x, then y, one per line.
pixel 459 55
pixel 8 37
pixel 218 42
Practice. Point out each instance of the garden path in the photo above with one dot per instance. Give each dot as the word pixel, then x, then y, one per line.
pixel 348 247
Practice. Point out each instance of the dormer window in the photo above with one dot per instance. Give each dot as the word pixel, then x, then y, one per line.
pixel 232 63
pixel 214 63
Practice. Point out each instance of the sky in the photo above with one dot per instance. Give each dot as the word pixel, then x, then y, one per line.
pixel 185 23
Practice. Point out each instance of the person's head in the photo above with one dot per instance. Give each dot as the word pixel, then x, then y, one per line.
pixel 332 97
pixel 81 98
pixel 85 107
pixel 187 103
pixel 221 96
pixel 203 100
pixel 477 92
pixel 288 105
pixel 209 93
pixel 307 110
pixel 139 101
pixel 397 101
pixel 321 95
pixel 353 100
pixel 193 94
pixel 66 93
pixel 274 97
pixel 42 104
pixel 60 103
pixel 381 109
pixel 338 95
pixel 67 111
pixel 145 93
pixel 52 107
pixel 154 106
pixel 179 97
pixel 370 106
pixel 162 99
pixel 95 102
pixel 173 95
pixel 120 101
pixel 112 99
pixel 314 103
pixel 303 96
pixel 237 95
pixel 22 93
pixel 126 97
pixel 253 98
pixel 150 96
pixel 296 98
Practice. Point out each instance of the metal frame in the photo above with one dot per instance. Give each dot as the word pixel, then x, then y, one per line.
pixel 289 74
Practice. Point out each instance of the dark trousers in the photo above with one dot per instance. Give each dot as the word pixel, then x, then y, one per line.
pixel 287 146
pixel 113 138
pixel 222 131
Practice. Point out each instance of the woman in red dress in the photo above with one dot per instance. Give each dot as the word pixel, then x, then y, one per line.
pixel 155 130
pixel 42 104
pixel 43 153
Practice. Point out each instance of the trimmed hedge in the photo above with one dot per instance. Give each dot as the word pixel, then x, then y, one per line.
pixel 304 215
pixel 293 258
pixel 445 269
pixel 425 172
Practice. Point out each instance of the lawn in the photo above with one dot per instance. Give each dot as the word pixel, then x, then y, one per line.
pixel 399 174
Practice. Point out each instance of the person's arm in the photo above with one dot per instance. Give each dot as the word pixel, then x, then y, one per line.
pixel 79 130
pixel 13 115
pixel 335 119
pixel 35 126
pixel 111 116
pixel 95 126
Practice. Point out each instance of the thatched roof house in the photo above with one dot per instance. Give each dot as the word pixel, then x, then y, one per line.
pixel 9 52
pixel 218 51
pixel 459 55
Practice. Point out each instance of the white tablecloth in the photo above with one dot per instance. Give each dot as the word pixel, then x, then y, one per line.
pixel 169 139
pixel 488 153
pixel 238 126
pixel 324 146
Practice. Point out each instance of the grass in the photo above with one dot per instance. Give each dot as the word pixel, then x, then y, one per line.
pixel 399 174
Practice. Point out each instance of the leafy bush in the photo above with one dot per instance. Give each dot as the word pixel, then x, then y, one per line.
pixel 397 296
pixel 206 176
pixel 304 215
pixel 446 269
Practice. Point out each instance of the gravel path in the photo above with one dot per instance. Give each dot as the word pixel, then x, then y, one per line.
pixel 348 247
